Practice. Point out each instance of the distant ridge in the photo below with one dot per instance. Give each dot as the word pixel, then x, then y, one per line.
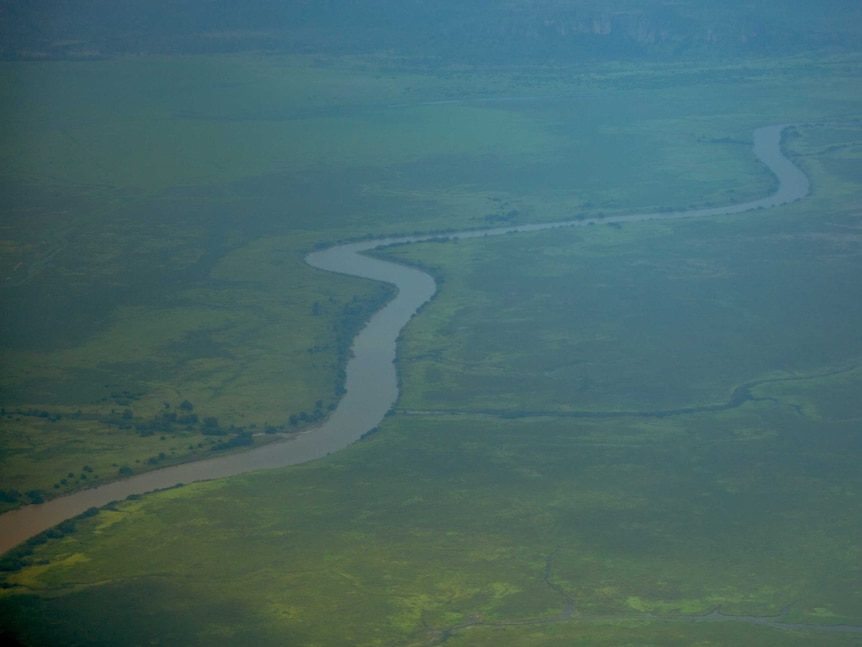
pixel 473 31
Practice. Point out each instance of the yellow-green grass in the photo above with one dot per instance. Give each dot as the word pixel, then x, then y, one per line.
pixel 651 633
pixel 166 203
pixel 440 521
pixel 38 454
pixel 127 173
pixel 244 347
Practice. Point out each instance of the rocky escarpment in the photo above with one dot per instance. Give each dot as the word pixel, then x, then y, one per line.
pixel 564 29
pixel 466 30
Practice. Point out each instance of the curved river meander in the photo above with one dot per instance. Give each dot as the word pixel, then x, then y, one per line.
pixel 372 385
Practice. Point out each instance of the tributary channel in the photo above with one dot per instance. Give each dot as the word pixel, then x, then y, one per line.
pixel 371 382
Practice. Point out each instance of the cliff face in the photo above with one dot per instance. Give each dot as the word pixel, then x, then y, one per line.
pixel 636 27
pixel 666 28
pixel 499 30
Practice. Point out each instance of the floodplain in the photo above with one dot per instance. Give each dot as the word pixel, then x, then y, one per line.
pixel 603 435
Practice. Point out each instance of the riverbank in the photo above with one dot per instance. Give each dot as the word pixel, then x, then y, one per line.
pixel 371 381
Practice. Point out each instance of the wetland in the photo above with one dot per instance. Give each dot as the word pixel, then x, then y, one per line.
pixel 370 380
pixel 602 434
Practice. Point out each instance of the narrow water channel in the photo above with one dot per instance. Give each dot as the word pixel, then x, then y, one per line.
pixel 371 383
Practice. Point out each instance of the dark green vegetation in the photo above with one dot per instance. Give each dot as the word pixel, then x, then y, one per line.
pixel 607 422
pixel 175 273
pixel 134 282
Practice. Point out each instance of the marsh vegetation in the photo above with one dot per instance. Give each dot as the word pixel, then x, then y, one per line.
pixel 603 433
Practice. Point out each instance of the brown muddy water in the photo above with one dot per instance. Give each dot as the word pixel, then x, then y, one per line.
pixel 371 382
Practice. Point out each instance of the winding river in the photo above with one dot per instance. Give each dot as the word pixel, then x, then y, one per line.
pixel 371 383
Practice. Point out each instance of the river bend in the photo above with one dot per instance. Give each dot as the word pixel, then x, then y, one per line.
pixel 371 382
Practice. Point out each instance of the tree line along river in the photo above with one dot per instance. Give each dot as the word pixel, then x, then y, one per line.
pixel 371 382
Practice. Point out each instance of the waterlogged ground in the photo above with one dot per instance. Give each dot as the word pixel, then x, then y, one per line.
pixel 136 282
pixel 439 522
pixel 604 433
pixel 648 318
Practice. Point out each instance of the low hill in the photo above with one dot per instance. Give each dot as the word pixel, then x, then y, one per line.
pixel 470 31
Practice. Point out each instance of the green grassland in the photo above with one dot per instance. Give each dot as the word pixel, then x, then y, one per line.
pixel 579 440
pixel 649 317
pixel 157 210
pixel 156 219
pixel 448 520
